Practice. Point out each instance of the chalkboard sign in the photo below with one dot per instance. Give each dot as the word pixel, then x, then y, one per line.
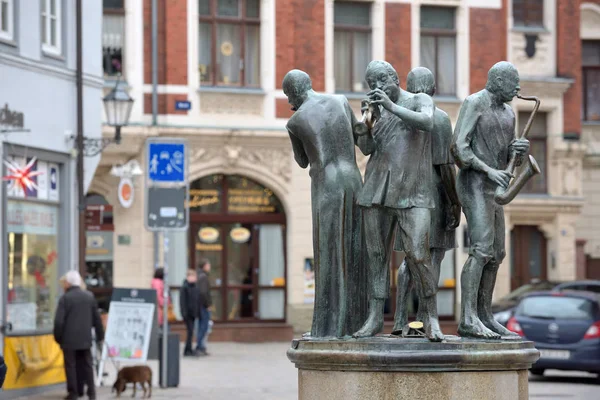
pixel 132 327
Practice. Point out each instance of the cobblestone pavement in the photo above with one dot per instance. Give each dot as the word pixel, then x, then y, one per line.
pixel 263 372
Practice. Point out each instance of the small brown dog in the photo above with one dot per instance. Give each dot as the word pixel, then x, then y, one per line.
pixel 137 374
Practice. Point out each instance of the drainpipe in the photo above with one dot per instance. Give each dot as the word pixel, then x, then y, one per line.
pixel 155 98
pixel 79 140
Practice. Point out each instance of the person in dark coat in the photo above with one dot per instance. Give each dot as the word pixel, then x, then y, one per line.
pixel 203 306
pixel 76 315
pixel 189 300
pixel 3 370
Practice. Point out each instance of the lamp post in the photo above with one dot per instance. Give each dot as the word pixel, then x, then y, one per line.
pixel 117 106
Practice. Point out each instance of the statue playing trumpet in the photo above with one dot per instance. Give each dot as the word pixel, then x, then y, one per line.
pixel 486 150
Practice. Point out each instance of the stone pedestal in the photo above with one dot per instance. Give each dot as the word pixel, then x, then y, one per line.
pixel 388 367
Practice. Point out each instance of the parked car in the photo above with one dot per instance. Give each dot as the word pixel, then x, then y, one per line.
pixel 565 327
pixel 504 307
pixel 587 285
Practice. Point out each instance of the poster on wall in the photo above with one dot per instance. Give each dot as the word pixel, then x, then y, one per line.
pixel 44 178
pixel 309 281
pixel 33 361
pixel 22 316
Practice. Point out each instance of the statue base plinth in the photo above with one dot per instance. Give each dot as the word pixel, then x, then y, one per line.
pixel 388 367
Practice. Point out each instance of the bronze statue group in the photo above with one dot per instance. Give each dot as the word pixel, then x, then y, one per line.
pixel 410 192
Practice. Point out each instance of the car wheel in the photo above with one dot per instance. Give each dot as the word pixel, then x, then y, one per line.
pixel 536 372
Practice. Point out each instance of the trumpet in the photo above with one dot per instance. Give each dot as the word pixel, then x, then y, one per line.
pixel 504 196
pixel 369 117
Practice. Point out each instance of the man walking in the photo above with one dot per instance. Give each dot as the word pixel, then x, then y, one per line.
pixel 76 315
pixel 189 300
pixel 203 306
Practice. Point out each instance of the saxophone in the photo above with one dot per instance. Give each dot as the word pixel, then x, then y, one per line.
pixel 504 196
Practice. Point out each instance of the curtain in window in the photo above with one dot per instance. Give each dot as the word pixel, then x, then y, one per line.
pixel 342 49
pixel 228 53
pixel 251 62
pixel 271 266
pixel 362 56
pixel 446 74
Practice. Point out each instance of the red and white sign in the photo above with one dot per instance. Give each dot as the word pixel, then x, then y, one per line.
pixel 125 192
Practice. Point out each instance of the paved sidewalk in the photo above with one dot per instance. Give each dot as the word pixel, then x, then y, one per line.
pixel 262 372
pixel 233 370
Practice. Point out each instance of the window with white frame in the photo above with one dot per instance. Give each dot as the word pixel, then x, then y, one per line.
pixel 51 26
pixel 6 19
pixel 352 45
pixel 438 47
pixel 113 29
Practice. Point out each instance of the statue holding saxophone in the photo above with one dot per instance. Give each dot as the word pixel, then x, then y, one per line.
pixel 486 150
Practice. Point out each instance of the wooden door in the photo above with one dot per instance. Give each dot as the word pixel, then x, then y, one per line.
pixel 528 255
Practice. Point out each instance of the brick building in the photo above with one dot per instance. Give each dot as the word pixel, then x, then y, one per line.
pixel 228 59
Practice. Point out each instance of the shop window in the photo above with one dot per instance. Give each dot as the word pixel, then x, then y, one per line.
pixel 352 45
pixel 99 254
pixel 51 29
pixel 113 29
pixel 528 13
pixel 438 47
pixel 6 20
pixel 538 147
pixel 229 43
pixel 32 266
pixel 590 51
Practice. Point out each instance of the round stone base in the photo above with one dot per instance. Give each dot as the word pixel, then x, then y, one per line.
pixel 388 367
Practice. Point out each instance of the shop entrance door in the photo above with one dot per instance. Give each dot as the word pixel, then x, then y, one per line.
pixel 247 275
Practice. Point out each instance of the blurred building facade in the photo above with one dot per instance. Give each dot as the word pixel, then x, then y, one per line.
pixel 38 115
pixel 250 202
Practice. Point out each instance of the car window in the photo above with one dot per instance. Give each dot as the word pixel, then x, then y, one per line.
pixel 528 288
pixel 556 307
pixel 587 288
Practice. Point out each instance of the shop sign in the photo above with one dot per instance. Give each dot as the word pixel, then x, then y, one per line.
pixel 44 177
pixel 208 234
pixel 250 201
pixel 239 235
pixel 33 361
pixel 99 246
pixel 203 198
pixel 209 247
pixel 125 192
pixel 37 219
pixel 13 119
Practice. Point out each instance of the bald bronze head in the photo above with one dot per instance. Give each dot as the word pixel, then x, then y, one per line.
pixel 503 81
pixel 420 80
pixel 296 85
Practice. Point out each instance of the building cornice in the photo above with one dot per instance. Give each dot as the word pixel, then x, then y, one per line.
pixel 545 86
pixel 49 70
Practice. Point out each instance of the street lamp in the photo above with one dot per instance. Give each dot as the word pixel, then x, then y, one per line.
pixel 117 106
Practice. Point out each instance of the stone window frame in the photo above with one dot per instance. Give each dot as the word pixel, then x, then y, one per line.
pixel 437 34
pixel 47 47
pixel 7 33
pixel 243 21
pixel 354 29
pixel 112 12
